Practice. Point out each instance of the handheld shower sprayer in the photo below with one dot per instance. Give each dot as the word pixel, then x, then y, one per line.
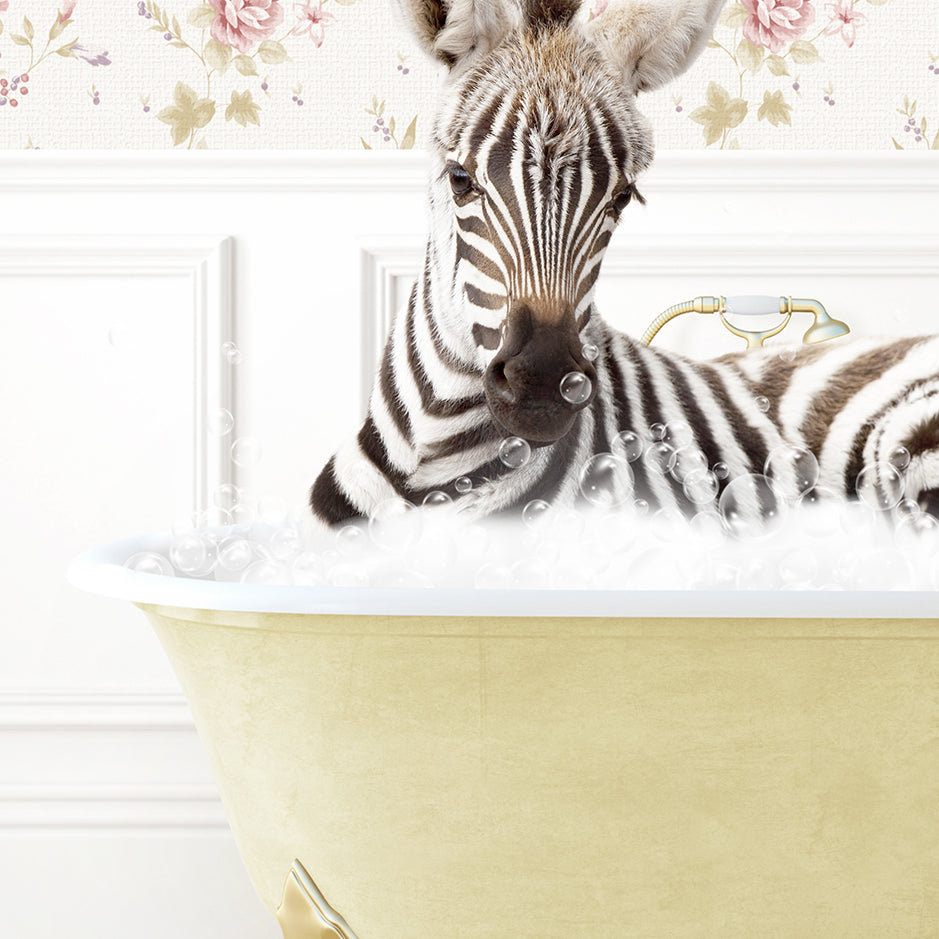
pixel 823 325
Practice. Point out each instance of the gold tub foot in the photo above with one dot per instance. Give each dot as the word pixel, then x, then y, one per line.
pixel 304 913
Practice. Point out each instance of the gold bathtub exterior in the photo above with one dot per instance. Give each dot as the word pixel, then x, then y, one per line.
pixel 544 778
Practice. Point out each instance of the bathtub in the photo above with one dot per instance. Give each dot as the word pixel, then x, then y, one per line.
pixel 544 764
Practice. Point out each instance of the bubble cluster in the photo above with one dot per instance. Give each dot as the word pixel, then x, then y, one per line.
pixel 779 529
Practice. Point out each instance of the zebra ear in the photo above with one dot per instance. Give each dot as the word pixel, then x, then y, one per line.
pixel 552 12
pixel 450 30
pixel 653 41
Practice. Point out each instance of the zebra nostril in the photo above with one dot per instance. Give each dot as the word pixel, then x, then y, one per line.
pixel 498 383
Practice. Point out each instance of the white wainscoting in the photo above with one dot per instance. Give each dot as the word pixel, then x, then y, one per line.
pixel 121 274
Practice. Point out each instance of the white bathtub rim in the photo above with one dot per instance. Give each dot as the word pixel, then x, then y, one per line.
pixel 101 571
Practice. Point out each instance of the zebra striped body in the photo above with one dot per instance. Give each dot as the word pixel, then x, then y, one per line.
pixel 536 152
pixel 851 403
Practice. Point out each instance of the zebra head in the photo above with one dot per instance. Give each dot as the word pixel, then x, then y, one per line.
pixel 536 150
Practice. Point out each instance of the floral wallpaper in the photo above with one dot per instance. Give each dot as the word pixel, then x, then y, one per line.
pixel 345 74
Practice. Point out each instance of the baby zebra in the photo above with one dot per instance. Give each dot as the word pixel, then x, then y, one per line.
pixel 535 154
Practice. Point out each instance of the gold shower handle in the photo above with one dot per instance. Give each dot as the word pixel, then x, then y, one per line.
pixel 823 325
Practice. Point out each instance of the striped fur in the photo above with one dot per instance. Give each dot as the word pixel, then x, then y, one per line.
pixel 536 151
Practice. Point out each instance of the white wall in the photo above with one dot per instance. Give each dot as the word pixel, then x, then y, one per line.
pixel 121 275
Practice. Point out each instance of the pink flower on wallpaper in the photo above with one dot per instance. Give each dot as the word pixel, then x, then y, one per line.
pixel 68 8
pixel 4 4
pixel 244 23
pixel 773 23
pixel 312 20
pixel 843 20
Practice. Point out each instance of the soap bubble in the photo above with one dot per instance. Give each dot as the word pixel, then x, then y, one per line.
pixel 188 553
pixel 700 487
pixel 266 572
pixel 799 566
pixel 244 512
pixel 752 506
pixel 606 481
pixel 900 458
pixel 246 451
pixel 707 526
pixel 758 573
pixel 819 511
pixel 231 353
pixel 788 353
pixel 657 431
pixel 350 540
pixel 591 351
pixel 534 514
pixel 641 507
pixel 220 422
pixel 150 562
pixel 576 387
pixel 659 458
pixel 721 470
pixel 917 532
pixel 235 554
pixel 628 445
pixel 880 486
pixel 494 576
pixel 678 434
pixel 436 498
pixel 227 496
pixel 463 485
pixel 687 460
pixel 529 573
pixel 348 576
pixel 792 466
pixel 762 403
pixel 394 525
pixel 514 452
pixel 286 543
pixel 309 570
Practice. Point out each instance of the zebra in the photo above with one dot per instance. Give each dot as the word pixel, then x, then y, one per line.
pixel 536 150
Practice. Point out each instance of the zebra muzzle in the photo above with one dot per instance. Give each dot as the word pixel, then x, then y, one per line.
pixel 523 381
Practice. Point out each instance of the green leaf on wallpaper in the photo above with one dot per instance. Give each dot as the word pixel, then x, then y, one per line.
pixel 28 28
pixel 272 53
pixel 935 143
pixel 721 113
pixel 410 135
pixel 176 29
pixel 749 55
pixel 896 145
pixel 878 3
pixel 734 15
pixel 777 65
pixel 391 125
pixel 66 50
pixel 245 64
pixel 1 27
pixel 216 55
pixel 804 52
pixel 346 3
pixel 201 17
pixel 775 109
pixel 19 40
pixel 364 144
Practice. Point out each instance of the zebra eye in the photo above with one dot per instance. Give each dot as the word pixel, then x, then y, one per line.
pixel 622 199
pixel 460 181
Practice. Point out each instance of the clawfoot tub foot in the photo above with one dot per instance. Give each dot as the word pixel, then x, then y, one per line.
pixel 304 913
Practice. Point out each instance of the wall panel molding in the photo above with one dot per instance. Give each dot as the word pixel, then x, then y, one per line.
pixel 206 261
